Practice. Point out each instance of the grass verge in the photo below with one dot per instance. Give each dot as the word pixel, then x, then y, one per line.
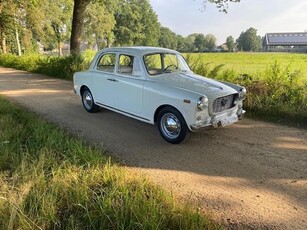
pixel 60 67
pixel 50 180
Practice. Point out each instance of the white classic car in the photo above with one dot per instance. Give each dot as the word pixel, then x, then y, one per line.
pixel 156 85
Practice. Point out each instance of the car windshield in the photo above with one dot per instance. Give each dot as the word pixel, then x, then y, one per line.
pixel 159 63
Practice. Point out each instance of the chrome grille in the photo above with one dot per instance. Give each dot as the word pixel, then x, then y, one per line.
pixel 223 103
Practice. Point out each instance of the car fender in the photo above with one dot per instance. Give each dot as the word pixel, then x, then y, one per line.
pixel 81 79
pixel 157 95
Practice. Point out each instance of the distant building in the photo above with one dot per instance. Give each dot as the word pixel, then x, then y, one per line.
pixel 285 42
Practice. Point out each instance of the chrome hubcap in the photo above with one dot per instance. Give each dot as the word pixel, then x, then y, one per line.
pixel 87 100
pixel 170 125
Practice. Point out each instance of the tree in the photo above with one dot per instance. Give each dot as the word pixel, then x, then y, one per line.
pixel 221 4
pixel 200 42
pixel 31 19
pixel 6 21
pixel 77 24
pixel 18 18
pixel 210 42
pixel 78 17
pixel 189 43
pixel 230 43
pixel 180 43
pixel 99 23
pixel 58 21
pixel 249 40
pixel 168 39
pixel 136 23
pixel 151 24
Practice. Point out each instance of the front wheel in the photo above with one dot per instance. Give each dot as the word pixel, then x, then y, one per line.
pixel 88 101
pixel 172 125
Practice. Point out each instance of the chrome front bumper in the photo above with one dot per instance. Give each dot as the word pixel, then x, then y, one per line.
pixel 220 120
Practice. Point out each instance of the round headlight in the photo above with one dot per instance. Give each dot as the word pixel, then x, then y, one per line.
pixel 202 103
pixel 242 93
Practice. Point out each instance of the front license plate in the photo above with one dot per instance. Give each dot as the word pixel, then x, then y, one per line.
pixel 228 120
pixel 224 121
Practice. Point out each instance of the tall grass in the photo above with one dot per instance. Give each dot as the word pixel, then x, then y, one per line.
pixel 49 180
pixel 277 92
pixel 61 67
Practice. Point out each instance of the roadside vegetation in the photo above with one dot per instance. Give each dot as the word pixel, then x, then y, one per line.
pixel 56 66
pixel 276 83
pixel 50 180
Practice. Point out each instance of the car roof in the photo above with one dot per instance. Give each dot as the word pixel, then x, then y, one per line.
pixel 138 50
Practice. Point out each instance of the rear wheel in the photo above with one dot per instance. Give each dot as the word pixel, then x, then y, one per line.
pixel 88 101
pixel 172 125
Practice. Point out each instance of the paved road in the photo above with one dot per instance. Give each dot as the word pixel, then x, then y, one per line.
pixel 250 175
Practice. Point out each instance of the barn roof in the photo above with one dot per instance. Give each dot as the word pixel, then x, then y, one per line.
pixel 286 39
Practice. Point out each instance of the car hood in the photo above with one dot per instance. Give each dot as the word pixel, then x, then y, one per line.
pixel 195 83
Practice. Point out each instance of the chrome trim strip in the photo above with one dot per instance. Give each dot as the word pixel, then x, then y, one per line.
pixel 130 114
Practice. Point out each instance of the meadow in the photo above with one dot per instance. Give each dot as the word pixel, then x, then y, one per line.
pixel 253 63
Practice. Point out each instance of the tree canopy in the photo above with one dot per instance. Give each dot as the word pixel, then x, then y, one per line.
pixel 249 40
pixel 26 25
pixel 99 23
pixel 78 16
pixel 168 39
pixel 222 5
pixel 230 43
pixel 136 23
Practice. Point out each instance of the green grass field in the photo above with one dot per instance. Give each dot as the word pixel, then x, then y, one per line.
pixel 253 63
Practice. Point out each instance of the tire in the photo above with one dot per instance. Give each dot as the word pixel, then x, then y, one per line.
pixel 172 125
pixel 88 101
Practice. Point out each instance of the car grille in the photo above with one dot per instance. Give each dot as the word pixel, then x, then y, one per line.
pixel 223 103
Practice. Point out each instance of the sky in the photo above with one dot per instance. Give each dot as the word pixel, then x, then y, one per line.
pixel 185 17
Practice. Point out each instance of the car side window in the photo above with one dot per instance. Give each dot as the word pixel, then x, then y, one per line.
pixel 107 62
pixel 170 60
pixel 125 64
pixel 153 63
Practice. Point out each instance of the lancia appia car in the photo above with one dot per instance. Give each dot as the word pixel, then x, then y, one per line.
pixel 156 85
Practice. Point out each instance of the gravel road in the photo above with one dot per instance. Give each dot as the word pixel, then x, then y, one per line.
pixel 251 175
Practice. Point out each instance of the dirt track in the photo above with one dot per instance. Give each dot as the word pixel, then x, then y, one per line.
pixel 250 175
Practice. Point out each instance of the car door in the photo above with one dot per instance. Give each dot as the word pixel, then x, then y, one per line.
pixel 129 84
pixel 103 80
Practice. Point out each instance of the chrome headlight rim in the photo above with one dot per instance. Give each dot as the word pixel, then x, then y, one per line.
pixel 202 103
pixel 242 93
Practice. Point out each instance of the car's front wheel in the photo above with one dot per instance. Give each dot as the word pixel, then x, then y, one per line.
pixel 172 125
pixel 88 101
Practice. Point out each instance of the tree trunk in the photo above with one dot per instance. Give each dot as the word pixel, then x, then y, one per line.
pixel 60 49
pixel 17 41
pixel 98 41
pixel 108 42
pixel 3 42
pixel 77 23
